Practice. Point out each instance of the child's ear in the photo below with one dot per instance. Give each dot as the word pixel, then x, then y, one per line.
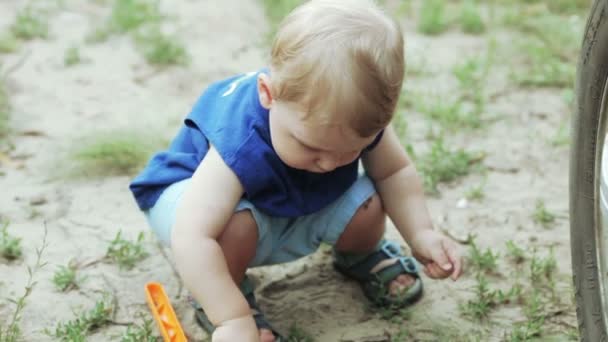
pixel 264 90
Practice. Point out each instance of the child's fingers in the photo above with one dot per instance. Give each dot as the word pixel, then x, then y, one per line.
pixel 455 257
pixel 441 259
pixel 432 270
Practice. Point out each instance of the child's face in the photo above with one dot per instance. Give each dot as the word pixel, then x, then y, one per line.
pixel 307 143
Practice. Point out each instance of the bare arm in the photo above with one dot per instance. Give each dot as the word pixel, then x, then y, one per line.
pixel 206 206
pixel 398 185
pixel 402 195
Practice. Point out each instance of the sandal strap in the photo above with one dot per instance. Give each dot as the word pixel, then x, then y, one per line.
pixel 247 289
pixel 358 267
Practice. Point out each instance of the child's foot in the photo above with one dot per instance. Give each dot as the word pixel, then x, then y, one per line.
pixel 386 276
pixel 267 333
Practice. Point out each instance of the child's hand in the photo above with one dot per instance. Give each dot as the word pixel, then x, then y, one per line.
pixel 440 255
pixel 238 329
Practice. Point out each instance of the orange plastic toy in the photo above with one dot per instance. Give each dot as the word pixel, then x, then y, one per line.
pixel 163 313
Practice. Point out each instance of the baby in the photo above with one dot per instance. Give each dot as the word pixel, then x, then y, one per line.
pixel 266 168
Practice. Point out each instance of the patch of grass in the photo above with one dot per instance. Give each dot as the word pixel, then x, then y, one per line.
pixel 161 49
pixel 143 332
pixel 535 319
pixel 470 18
pixel 484 301
pixel 8 43
pixel 432 17
pixel 11 332
pixel 297 334
pixel 126 253
pixel 549 47
pixel 543 216
pixel 66 278
pixel 515 253
pixel 276 10
pixel 10 246
pixel 129 15
pixel 441 165
pixel 543 269
pixel 476 193
pixel 71 56
pixel 562 136
pixel 78 328
pixel 30 24
pixel 482 261
pixel 119 153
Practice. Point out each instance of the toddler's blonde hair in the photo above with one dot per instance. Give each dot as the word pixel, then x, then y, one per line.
pixel 338 57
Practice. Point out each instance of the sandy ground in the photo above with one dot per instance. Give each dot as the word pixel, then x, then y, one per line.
pixel 115 89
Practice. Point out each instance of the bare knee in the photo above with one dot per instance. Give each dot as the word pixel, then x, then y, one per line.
pixel 239 241
pixel 365 229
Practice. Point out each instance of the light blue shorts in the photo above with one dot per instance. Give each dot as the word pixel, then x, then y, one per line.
pixel 279 239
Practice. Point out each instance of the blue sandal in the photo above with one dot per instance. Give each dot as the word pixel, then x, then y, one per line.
pixel 258 316
pixel 374 285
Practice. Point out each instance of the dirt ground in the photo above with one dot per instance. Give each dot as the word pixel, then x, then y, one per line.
pixel 55 107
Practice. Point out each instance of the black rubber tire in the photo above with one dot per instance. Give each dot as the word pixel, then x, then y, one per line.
pixel 588 131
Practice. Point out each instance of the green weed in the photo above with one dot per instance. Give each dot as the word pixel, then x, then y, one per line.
pixel 126 253
pixel 78 328
pixel 129 15
pixel 470 18
pixel 542 216
pixel 66 278
pixel 484 301
pixel 535 316
pixel 140 332
pixel 515 253
pixel 11 332
pixel 562 136
pixel 482 261
pixel 71 56
pixel 543 269
pixel 30 24
pixel 161 49
pixel 8 43
pixel 116 153
pixel 441 165
pixel 10 246
pixel 476 193
pixel 432 17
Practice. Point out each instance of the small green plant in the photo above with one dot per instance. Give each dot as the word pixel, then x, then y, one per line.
pixel 470 18
pixel 543 269
pixel 126 253
pixel 66 278
pixel 160 49
pixel 296 334
pixel 114 154
pixel 129 15
pixel 143 332
pixel 432 17
pixel 482 261
pixel 30 24
pixel 78 328
pixel 476 193
pixel 542 216
pixel 11 332
pixel 10 246
pixel 562 136
pixel 71 56
pixel 515 253
pixel 443 165
pixel 532 327
pixel 483 302
pixel 8 43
